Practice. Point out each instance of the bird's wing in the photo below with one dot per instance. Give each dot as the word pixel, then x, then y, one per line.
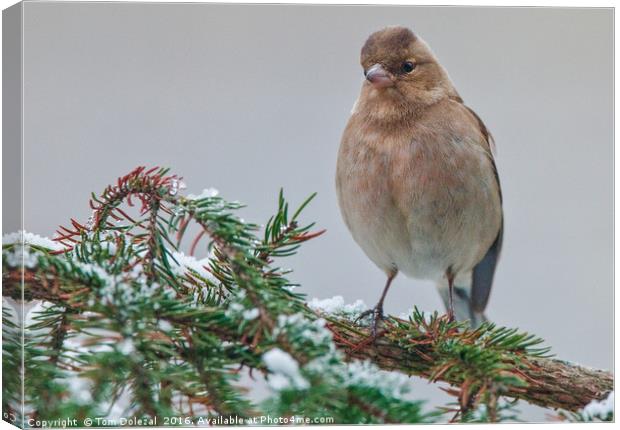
pixel 483 273
pixel 482 278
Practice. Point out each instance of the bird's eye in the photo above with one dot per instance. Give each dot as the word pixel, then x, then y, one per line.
pixel 408 66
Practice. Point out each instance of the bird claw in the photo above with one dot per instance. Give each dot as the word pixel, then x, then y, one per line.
pixel 363 315
pixel 378 317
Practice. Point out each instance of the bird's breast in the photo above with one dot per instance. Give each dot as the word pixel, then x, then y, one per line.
pixel 417 203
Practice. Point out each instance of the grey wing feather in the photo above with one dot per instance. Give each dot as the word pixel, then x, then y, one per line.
pixel 482 278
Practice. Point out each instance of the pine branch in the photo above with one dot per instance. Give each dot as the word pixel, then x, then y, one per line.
pixel 551 383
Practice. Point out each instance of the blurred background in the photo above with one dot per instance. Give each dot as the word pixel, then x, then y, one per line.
pixel 248 99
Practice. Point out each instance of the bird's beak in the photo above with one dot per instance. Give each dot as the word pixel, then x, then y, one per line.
pixel 378 76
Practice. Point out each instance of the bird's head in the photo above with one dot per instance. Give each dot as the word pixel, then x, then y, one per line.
pixel 401 69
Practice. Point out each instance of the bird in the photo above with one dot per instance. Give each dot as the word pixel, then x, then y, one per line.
pixel 416 179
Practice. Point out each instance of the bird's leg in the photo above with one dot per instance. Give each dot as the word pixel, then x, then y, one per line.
pixel 377 311
pixel 450 277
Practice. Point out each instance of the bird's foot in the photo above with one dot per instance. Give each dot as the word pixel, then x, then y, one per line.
pixel 378 316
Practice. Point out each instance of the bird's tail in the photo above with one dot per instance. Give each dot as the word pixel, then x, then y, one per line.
pixel 463 310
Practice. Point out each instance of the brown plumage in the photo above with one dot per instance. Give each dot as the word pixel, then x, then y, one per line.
pixel 416 179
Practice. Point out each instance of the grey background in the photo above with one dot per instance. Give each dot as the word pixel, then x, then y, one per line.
pixel 249 99
pixel 11 119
